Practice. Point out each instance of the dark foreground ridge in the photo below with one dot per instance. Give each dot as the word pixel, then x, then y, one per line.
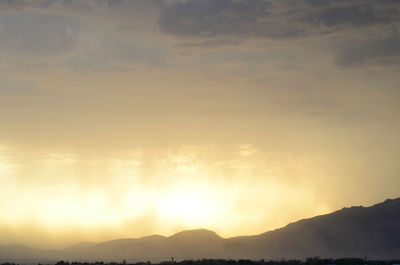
pixel 372 232
pixel 308 261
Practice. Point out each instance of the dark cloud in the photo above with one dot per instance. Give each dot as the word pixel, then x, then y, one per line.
pixel 334 21
pixel 356 52
pixel 356 15
pixel 285 19
pixel 326 3
pixel 209 24
pixel 265 19
pixel 208 18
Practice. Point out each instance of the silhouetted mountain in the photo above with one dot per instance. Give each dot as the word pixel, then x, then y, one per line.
pixel 351 232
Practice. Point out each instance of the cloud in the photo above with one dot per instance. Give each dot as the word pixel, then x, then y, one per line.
pixel 44 4
pixel 109 53
pixel 322 22
pixel 52 27
pixel 346 15
pixel 208 44
pixel 379 50
pixel 77 40
pixel 37 33
pixel 235 18
pixel 207 18
pixel 265 19
pixel 71 5
pixel 360 14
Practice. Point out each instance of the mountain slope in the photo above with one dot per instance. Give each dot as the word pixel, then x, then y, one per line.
pixel 350 232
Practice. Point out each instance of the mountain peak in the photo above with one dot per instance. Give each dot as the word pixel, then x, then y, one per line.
pixel 196 233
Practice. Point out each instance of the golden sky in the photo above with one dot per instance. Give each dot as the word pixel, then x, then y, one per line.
pixel 129 118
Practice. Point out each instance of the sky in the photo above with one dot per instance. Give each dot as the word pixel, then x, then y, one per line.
pixel 126 118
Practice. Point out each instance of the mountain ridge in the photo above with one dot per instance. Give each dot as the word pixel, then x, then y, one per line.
pixel 356 231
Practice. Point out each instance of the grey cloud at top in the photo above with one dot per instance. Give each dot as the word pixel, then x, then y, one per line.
pixel 284 19
pixel 356 15
pixel 208 18
pixel 356 31
pixel 70 4
pixel 49 27
pixel 270 19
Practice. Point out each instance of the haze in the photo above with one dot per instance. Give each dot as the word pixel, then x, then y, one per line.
pixel 130 118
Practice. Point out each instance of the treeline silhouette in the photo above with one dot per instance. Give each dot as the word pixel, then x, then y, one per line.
pixel 308 261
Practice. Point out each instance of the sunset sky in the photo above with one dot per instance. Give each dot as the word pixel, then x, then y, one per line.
pixel 126 118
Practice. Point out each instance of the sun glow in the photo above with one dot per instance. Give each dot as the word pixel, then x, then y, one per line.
pixel 192 206
pixel 143 192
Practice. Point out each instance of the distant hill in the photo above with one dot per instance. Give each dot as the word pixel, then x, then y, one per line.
pixel 351 232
